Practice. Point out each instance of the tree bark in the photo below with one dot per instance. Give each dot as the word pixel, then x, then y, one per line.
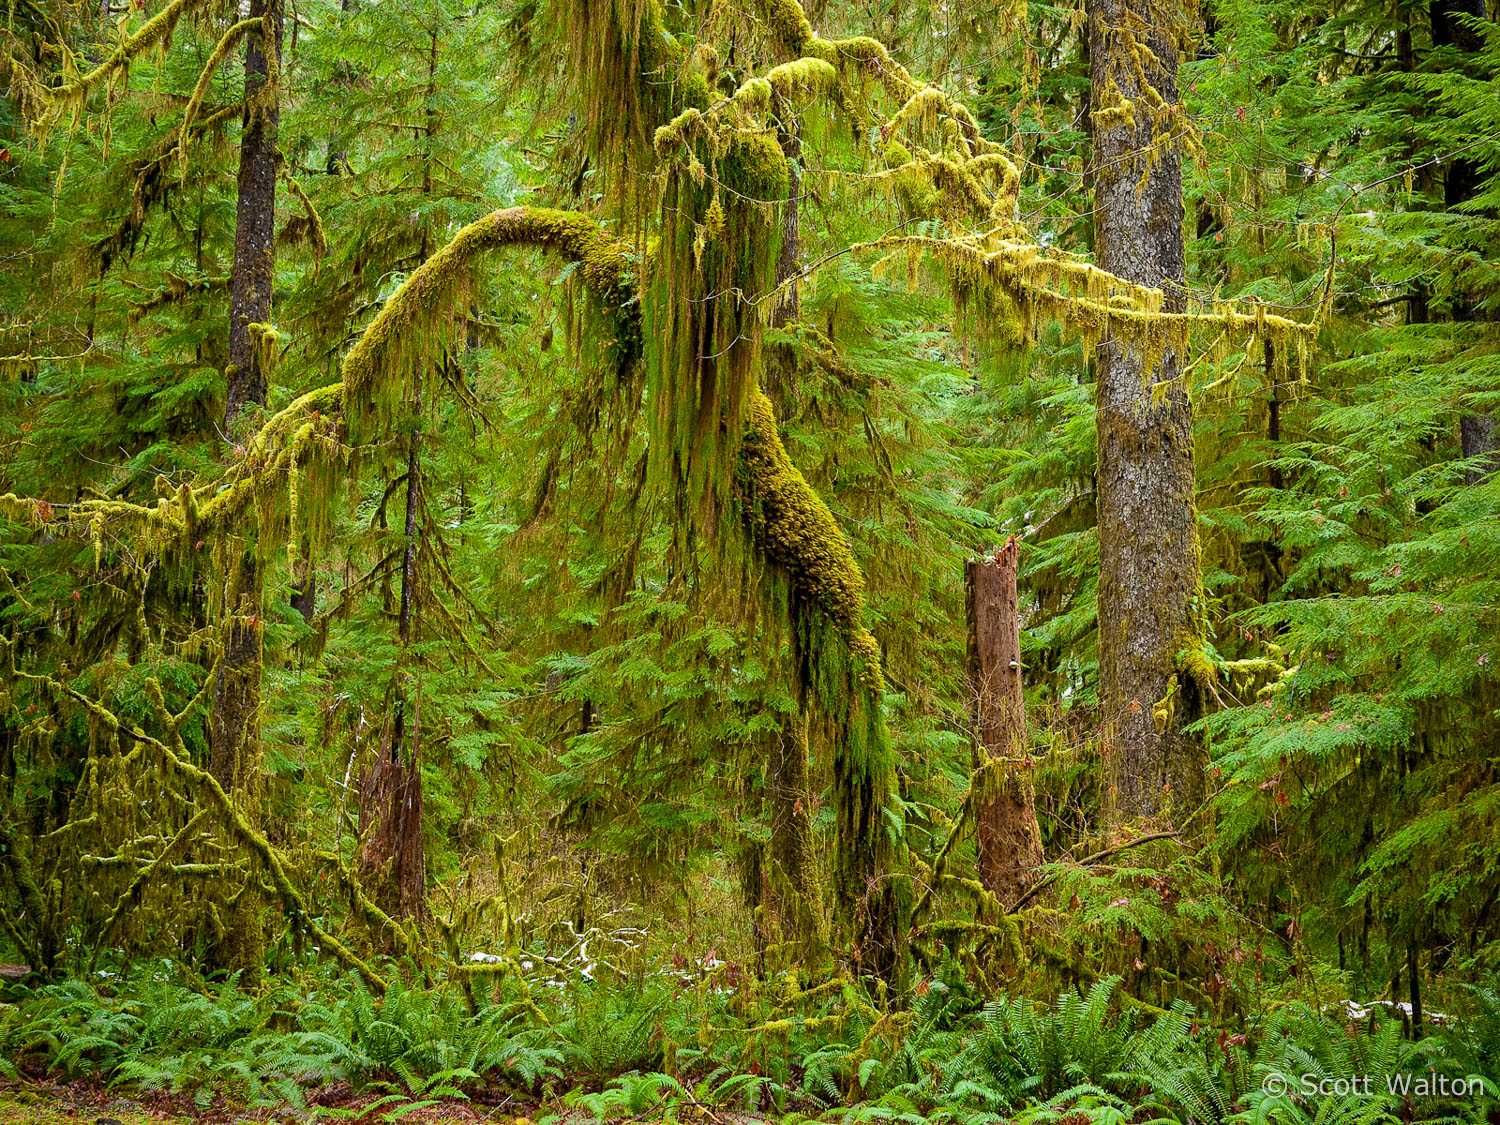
pixel 392 861
pixel 796 894
pixel 1480 437
pixel 234 734
pixel 1009 842
pixel 234 758
pixel 789 260
pixel 1148 555
pixel 254 267
pixel 234 724
pixel 234 731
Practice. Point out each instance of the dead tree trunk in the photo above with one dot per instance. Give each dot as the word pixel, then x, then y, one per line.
pixel 1006 833
pixel 1148 552
pixel 393 865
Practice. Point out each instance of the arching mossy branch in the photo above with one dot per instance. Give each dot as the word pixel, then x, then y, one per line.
pixel 425 303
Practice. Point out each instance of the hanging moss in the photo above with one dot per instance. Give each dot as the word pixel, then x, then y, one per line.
pixel 419 317
pixel 261 25
pixel 634 75
pixel 715 262
pixel 43 105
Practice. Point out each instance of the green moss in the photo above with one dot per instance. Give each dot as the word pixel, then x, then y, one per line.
pixel 755 167
pixel 795 528
pixel 425 301
pixel 897 155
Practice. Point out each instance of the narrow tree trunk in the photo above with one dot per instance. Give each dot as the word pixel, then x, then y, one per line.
pixel 1009 842
pixel 254 267
pixel 392 862
pixel 1148 555
pixel 234 724
pixel 789 262
pixel 1413 972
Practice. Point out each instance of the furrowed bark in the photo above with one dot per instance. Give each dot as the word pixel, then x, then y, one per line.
pixel 234 725
pixel 1008 840
pixel 1148 555
pixel 254 267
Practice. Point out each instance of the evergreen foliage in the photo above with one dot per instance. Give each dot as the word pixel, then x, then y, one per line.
pixel 588 573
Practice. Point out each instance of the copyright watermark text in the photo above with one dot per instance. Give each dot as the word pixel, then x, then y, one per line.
pixel 1278 1084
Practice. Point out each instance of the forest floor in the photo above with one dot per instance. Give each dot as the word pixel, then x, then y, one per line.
pixel 89 1103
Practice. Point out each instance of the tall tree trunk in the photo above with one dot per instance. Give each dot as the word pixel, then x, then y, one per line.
pixel 234 724
pixel 234 735
pixel 1009 842
pixel 392 862
pixel 254 267
pixel 1148 554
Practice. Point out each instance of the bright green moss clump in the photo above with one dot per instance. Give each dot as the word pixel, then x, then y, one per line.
pixel 795 528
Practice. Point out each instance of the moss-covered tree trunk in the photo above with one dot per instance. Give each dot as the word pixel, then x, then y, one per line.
pixel 254 267
pixel 234 733
pixel 1148 555
pixel 1008 840
pixel 796 891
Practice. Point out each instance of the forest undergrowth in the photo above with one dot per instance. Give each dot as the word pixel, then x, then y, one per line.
pixel 707 1042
